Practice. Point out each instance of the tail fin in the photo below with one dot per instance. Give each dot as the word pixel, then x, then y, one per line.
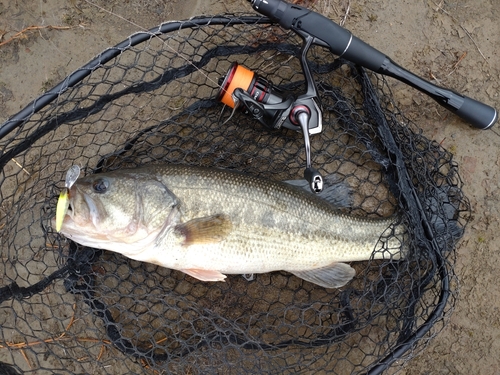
pixel 443 209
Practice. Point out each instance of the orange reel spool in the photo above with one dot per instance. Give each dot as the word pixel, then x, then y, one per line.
pixel 237 77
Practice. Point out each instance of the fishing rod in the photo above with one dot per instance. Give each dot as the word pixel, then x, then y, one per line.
pixel 342 43
pixel 259 98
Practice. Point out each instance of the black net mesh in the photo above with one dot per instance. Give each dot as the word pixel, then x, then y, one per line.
pixel 66 309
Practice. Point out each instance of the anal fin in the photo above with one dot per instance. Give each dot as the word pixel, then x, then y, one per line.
pixel 331 276
pixel 205 275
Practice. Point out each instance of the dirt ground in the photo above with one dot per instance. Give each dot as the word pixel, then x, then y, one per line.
pixel 454 43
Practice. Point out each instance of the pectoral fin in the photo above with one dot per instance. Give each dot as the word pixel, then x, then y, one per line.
pixel 332 276
pixel 205 275
pixel 204 230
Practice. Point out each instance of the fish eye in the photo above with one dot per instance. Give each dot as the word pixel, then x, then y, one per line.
pixel 100 185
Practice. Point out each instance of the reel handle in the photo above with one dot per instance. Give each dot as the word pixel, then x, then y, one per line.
pixel 342 43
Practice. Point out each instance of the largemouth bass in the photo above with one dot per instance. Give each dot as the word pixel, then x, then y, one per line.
pixel 210 222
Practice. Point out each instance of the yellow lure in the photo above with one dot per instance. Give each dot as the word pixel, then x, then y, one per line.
pixel 63 202
pixel 62 208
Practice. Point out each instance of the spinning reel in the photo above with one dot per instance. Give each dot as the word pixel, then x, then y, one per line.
pixel 259 98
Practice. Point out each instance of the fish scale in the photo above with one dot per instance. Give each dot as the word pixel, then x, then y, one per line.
pixel 209 222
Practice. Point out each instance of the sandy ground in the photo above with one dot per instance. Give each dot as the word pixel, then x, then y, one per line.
pixel 454 43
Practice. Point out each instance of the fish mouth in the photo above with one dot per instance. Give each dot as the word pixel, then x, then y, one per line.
pixel 93 210
pixel 71 211
pixel 80 220
pixel 66 214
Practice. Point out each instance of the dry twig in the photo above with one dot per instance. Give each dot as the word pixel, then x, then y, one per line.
pixel 433 77
pixel 464 29
pixel 23 353
pixel 22 34
pixel 439 7
pixel 458 62
pixel 62 337
pixel 101 352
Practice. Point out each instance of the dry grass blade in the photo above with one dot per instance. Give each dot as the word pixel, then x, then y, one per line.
pixel 19 164
pixel 346 14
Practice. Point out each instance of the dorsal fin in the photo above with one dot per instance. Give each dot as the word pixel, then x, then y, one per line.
pixel 336 192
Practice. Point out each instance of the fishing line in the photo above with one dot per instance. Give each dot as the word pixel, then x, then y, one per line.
pixel 185 58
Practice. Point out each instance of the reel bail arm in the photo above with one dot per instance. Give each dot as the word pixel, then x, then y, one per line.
pixel 302 115
pixel 263 101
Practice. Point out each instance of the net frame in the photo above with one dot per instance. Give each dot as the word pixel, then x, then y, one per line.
pixel 386 144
